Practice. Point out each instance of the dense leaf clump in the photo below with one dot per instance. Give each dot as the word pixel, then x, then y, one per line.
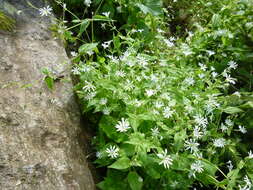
pixel 171 90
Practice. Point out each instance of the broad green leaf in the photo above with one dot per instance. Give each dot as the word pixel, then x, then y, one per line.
pixel 50 82
pixel 101 18
pixel 121 163
pixel 135 181
pixel 87 47
pixel 153 7
pixel 232 110
pixel 84 26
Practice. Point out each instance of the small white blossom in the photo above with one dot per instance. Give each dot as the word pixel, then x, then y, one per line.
pixel 250 154
pixel 76 71
pixel 189 81
pixel 191 145
pixel 197 133
pixel 248 184
pixel 98 155
pixel 167 112
pixel 230 165
pixel 107 14
pixel 106 44
pixel 103 101
pixel 203 67
pixel 210 53
pixel 223 127
pixel 122 125
pixel 220 143
pixel 168 43
pixel 45 11
pixel 166 159
pixel 90 95
pixel 120 73
pixel 232 65
pixel 106 111
pixel 200 121
pixel 150 92
pixel 159 104
pixel 73 54
pixel 87 3
pixel 197 167
pixel 155 131
pixel 229 122
pixel 242 129
pixel 112 151
pixel 229 79
pixel 237 94
pixel 89 87
pixel 214 74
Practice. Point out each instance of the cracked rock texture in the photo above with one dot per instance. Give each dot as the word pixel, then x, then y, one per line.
pixel 39 128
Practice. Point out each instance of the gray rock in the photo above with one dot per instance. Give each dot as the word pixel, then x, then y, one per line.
pixel 39 128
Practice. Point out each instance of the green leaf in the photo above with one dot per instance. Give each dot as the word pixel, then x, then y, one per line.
pixel 232 110
pixel 153 7
pixel 120 164
pixel 50 82
pixel 84 26
pixel 135 181
pixel 87 47
pixel 101 18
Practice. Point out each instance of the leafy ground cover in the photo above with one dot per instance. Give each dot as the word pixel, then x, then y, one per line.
pixel 167 86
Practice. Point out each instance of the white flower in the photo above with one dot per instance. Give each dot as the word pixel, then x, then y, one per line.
pixel 200 121
pixel 107 14
pixel 210 53
pixel 250 154
pixel 98 155
pixel 242 129
pixel 103 101
pixel 106 44
pixel 201 76
pixel 220 143
pixel 89 87
pixel 197 167
pixel 106 111
pixel 191 145
pixel 203 67
pixel 103 25
pixel 229 122
pixel 45 11
pixel 76 71
pixel 214 74
pixel 168 43
pixel 90 95
pixel 232 65
pixel 166 159
pixel 73 53
pixel 155 131
pixel 159 104
pixel 150 92
pixel 167 112
pixel 230 165
pixel 87 3
pixel 189 81
pixel 122 125
pixel 237 94
pixel 248 184
pixel 120 73
pixel 229 79
pixel 197 133
pixel 223 127
pixel 112 151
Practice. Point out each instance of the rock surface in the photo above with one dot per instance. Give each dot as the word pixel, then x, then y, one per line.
pixel 39 128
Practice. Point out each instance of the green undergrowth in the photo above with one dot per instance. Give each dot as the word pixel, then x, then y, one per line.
pixel 167 87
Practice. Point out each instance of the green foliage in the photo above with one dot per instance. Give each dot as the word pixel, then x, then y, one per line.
pixel 6 23
pixel 175 99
